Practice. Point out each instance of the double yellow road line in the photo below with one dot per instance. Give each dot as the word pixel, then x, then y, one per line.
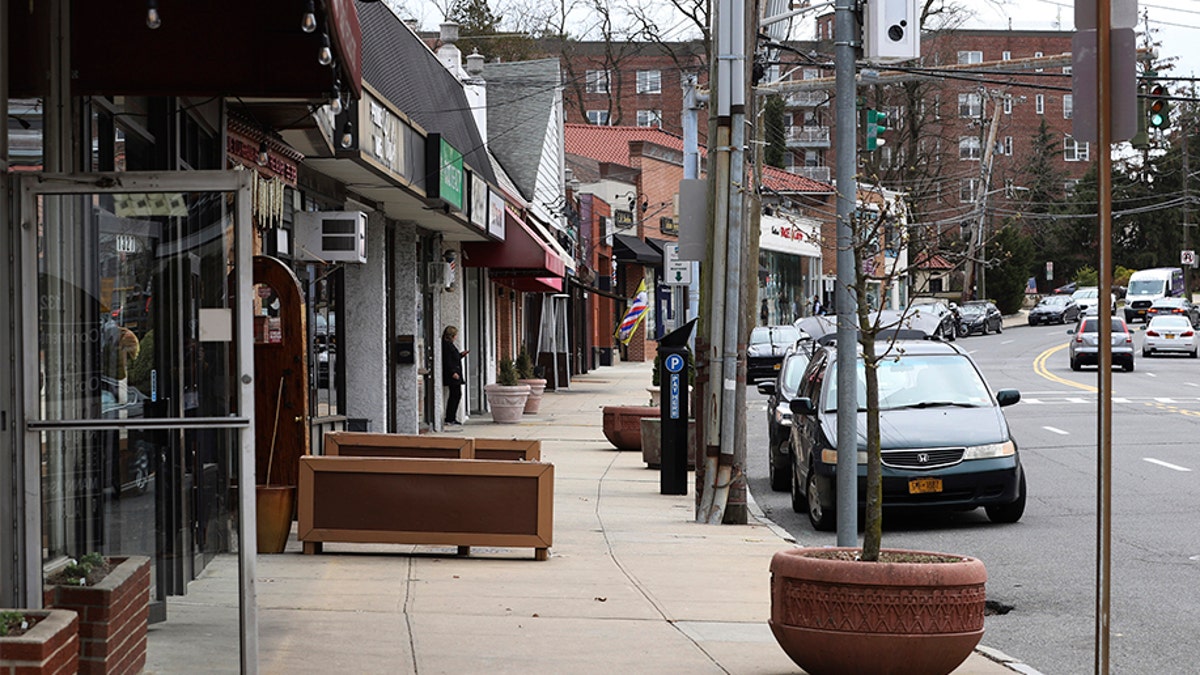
pixel 1039 367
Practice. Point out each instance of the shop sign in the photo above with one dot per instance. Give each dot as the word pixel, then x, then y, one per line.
pixel 623 219
pixel 479 202
pixel 446 163
pixel 245 150
pixel 384 138
pixel 668 225
pixel 496 226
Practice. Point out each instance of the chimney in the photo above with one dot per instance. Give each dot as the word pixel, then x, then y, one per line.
pixel 413 24
pixel 475 64
pixel 448 53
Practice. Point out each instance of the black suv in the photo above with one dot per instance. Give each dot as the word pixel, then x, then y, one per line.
pixel 780 393
pixel 945 441
pixel 764 354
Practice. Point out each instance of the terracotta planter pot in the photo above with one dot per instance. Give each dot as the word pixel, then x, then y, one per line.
pixel 836 617
pixel 537 387
pixel 113 617
pixel 50 647
pixel 507 403
pixel 275 506
pixel 652 442
pixel 623 427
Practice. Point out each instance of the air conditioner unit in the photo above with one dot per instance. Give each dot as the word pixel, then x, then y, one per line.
pixel 439 275
pixel 332 236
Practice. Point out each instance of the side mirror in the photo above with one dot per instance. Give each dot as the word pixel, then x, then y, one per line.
pixel 1007 397
pixel 802 406
pixel 767 388
pixel 1070 331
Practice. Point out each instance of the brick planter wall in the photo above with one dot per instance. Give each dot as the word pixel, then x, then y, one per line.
pixel 50 647
pixel 113 616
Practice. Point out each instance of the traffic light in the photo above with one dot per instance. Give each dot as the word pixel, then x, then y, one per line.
pixel 876 125
pixel 1159 108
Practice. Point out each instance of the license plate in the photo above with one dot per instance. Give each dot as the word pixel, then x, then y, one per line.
pixel 1170 336
pixel 918 486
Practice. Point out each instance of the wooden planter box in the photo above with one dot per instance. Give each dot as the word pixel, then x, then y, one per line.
pixel 50 647
pixel 455 502
pixel 358 444
pixel 113 616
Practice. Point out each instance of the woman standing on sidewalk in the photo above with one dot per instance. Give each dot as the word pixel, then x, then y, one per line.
pixel 452 373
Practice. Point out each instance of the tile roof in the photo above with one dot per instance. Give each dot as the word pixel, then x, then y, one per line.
pixel 611 144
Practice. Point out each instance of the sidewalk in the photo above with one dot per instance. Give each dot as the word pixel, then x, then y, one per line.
pixel 633 585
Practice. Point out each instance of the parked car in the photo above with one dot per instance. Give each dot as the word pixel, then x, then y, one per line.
pixel 780 393
pixel 1170 333
pixel 945 441
pixel 1177 307
pixel 130 455
pixel 1089 297
pixel 947 327
pixel 979 316
pixel 764 354
pixel 1054 309
pixel 1084 349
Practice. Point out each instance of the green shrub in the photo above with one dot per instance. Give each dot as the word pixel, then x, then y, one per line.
pixel 524 365
pixel 508 373
pixel 10 621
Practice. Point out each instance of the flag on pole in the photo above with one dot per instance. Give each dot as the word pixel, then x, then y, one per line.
pixel 637 311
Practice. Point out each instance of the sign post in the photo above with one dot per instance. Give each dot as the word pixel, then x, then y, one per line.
pixel 673 411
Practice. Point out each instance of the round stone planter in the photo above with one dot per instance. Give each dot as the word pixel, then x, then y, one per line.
pixel 652 442
pixel 622 424
pixel 507 403
pixel 835 617
pixel 537 387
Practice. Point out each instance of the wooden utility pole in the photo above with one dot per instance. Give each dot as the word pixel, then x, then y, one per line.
pixel 978 242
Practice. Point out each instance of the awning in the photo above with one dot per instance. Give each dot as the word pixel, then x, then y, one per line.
pixel 222 48
pixel 627 248
pixel 595 289
pixel 531 284
pixel 521 254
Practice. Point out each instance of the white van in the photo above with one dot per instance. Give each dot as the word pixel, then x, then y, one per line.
pixel 1146 286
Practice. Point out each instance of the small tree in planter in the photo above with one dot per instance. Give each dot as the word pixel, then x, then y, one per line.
pixel 112 598
pixel 507 397
pixel 527 375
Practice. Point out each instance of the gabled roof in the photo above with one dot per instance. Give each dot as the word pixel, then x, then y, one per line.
pixel 521 98
pixel 611 144
pixel 407 74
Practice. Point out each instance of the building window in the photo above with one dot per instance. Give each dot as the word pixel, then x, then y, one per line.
pixel 596 82
pixel 1066 70
pixel 1037 55
pixel 1074 151
pixel 968 57
pixel 970 105
pixel 1068 105
pixel 649 118
pixel 649 82
pixel 598 117
pixel 1010 191
pixel 1069 186
pixel 1008 105
pixel 968 147
pixel 1005 56
pixel 1008 145
pixel 967 189
pixel 937 106
pixel 1039 104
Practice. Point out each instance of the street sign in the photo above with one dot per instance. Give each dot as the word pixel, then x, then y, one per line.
pixel 676 272
pixel 1187 258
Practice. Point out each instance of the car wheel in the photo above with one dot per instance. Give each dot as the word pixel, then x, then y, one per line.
pixel 1145 353
pixel 1011 512
pixel 999 327
pixel 1128 367
pixel 1075 364
pixel 821 521
pixel 963 332
pixel 1194 353
pixel 141 473
pixel 780 475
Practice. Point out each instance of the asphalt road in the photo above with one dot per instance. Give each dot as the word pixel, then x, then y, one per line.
pixel 1045 565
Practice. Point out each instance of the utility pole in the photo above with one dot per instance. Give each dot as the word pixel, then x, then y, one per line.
pixel 975 257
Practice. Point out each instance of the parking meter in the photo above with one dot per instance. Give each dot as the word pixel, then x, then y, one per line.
pixel 673 411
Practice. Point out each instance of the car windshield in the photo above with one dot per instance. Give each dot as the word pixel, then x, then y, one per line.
pixel 1084 293
pixel 780 335
pixel 1146 286
pixel 971 310
pixel 1055 300
pixel 1168 302
pixel 1169 323
pixel 918 381
pixel 1093 326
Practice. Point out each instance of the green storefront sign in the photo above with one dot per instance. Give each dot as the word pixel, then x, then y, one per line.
pixel 446 164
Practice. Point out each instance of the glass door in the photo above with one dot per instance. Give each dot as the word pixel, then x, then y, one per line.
pixel 138 371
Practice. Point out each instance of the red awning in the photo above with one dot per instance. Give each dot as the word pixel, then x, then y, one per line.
pixel 213 48
pixel 522 254
pixel 531 284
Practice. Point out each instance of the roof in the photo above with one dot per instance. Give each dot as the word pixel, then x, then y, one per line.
pixel 932 262
pixel 611 144
pixel 521 98
pixel 398 64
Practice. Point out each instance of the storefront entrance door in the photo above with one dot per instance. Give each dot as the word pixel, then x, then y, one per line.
pixel 138 381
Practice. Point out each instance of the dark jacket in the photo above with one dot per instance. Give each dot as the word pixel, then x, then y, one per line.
pixel 451 363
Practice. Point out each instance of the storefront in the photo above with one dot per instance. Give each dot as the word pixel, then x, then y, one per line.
pixel 789 262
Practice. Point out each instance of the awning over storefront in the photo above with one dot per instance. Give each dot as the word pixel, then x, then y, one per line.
pixel 522 254
pixel 627 248
pixel 794 236
pixel 531 284
pixel 216 48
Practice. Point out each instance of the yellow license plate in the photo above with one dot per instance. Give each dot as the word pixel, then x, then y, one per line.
pixel 1170 336
pixel 919 486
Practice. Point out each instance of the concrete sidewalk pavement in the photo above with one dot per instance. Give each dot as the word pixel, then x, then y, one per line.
pixel 633 584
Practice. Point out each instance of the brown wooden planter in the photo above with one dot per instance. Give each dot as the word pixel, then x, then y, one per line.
pixel 50 647
pixel 623 424
pixel 848 617
pixel 113 616
pixel 363 444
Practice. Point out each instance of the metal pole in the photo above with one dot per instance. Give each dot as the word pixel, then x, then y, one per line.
pixel 1104 399
pixel 846 37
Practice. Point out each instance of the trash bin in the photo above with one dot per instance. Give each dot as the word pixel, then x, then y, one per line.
pixel 605 356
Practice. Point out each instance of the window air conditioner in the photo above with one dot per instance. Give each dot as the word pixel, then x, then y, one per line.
pixel 332 236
